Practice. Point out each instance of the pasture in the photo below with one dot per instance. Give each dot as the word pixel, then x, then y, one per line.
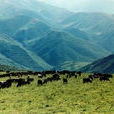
pixel 58 98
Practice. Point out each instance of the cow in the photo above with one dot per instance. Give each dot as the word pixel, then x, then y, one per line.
pixel 97 75
pixel 30 79
pixel 102 78
pixel 6 84
pixel 91 77
pixel 75 76
pixel 45 81
pixel 40 82
pixel 22 82
pixel 87 80
pixel 79 73
pixel 50 79
pixel 56 77
pixel 65 81
pixel 107 75
pixel 67 76
pixel 40 76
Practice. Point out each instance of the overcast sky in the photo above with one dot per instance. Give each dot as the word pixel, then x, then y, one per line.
pixel 84 5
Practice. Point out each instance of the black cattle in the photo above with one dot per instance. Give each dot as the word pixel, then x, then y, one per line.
pixel 107 75
pixel 75 76
pixel 65 81
pixel 50 72
pixel 43 74
pixel 9 82
pixel 67 76
pixel 55 77
pixel 40 76
pixel 45 81
pixel 6 84
pixel 49 79
pixel 1 82
pixel 16 80
pixel 30 79
pixel 7 72
pixel 97 75
pixel 79 73
pixel 110 76
pixel 87 80
pixel 91 77
pixel 64 72
pixel 102 78
pixel 22 82
pixel 40 82
pixel 70 75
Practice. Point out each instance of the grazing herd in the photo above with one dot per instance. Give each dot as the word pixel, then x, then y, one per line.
pixel 43 77
pixel 20 82
pixel 101 77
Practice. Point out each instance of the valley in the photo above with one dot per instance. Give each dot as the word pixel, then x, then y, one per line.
pixel 56 60
pixel 39 39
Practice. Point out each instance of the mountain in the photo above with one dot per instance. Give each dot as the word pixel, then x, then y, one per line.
pixel 38 36
pixel 11 25
pixel 77 33
pixel 58 47
pixel 95 27
pixel 34 29
pixel 14 54
pixel 24 28
pixel 90 22
pixel 20 23
pixel 32 8
pixel 105 65
pixel 106 40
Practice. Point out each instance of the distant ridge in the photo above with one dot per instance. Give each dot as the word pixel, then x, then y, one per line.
pixel 105 65
pixel 59 47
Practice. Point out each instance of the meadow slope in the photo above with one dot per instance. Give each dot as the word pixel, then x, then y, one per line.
pixel 56 97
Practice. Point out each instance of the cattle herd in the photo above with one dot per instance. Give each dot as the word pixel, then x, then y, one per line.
pixel 43 77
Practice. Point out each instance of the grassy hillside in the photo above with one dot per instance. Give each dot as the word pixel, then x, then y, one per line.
pixel 106 40
pixel 77 33
pixel 11 25
pixel 105 65
pixel 34 29
pixel 20 56
pixel 8 68
pixel 56 97
pixel 70 66
pixel 58 47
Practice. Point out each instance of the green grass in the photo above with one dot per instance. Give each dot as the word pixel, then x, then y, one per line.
pixel 56 97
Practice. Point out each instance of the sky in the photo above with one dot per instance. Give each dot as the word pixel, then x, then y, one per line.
pixel 106 6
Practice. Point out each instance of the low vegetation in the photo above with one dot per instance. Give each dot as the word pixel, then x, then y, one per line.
pixel 56 97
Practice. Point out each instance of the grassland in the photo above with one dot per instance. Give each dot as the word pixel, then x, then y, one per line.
pixel 58 98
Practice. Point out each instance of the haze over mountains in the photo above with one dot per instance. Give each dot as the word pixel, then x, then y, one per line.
pixel 38 36
pixel 84 5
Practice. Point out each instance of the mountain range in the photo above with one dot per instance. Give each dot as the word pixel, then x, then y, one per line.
pixel 104 65
pixel 37 36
